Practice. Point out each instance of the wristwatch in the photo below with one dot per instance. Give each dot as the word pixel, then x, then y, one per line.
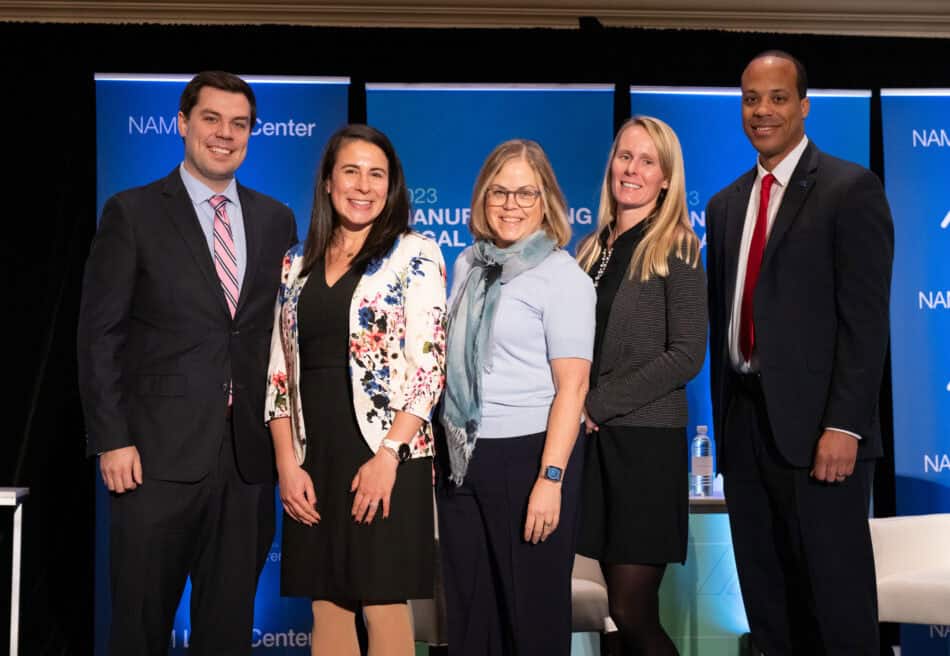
pixel 399 449
pixel 552 473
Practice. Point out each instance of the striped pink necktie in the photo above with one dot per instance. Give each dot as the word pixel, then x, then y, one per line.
pixel 225 260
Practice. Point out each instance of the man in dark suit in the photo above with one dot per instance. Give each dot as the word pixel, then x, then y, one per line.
pixel 174 334
pixel 799 266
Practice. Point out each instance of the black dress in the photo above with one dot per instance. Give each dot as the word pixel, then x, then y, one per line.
pixel 635 498
pixel 339 560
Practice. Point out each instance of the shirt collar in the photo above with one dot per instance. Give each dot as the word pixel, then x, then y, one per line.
pixel 199 192
pixel 784 169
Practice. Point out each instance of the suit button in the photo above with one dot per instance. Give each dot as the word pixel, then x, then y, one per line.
pixel 235 333
pixel 224 387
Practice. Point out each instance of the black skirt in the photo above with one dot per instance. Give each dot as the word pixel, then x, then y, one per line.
pixel 635 501
pixel 339 560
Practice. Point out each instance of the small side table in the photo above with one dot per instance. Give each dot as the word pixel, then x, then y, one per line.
pixel 715 503
pixel 14 497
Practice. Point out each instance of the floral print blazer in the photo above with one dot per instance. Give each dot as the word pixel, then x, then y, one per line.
pixel 396 343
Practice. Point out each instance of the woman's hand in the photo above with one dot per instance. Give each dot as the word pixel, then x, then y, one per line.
pixel 589 425
pixel 544 511
pixel 373 484
pixel 297 494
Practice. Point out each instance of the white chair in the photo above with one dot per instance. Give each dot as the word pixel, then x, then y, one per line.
pixel 912 560
pixel 588 596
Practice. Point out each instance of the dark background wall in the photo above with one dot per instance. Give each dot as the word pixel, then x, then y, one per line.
pixel 47 123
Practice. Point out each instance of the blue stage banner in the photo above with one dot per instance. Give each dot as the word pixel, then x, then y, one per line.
pixel 916 164
pixel 444 132
pixel 138 142
pixel 708 122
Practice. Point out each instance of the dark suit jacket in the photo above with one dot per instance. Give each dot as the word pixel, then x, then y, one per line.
pixel 820 307
pixel 157 345
pixel 654 343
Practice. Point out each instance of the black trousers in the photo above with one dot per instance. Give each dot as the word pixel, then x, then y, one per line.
pixel 217 530
pixel 803 547
pixel 505 596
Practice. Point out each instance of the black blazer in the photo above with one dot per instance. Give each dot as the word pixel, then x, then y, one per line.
pixel 821 303
pixel 157 344
pixel 654 343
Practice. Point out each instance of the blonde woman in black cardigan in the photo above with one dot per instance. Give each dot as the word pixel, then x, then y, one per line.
pixel 650 341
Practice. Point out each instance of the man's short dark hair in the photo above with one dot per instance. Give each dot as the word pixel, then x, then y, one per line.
pixel 800 74
pixel 217 80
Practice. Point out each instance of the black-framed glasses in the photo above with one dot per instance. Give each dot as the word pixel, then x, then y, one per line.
pixel 525 197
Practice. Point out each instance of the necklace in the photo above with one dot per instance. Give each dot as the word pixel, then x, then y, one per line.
pixel 604 260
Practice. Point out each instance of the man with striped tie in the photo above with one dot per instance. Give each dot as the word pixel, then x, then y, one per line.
pixel 174 333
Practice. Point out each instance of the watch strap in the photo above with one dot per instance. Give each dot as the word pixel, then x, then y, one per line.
pixel 399 449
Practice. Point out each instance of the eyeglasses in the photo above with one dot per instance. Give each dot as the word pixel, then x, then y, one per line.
pixel 525 197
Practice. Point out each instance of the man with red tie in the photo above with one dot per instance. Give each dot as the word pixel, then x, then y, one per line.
pixel 799 265
pixel 174 335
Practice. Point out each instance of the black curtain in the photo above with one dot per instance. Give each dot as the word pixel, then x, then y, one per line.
pixel 47 118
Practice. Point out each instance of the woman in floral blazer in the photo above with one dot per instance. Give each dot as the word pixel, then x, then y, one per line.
pixel 396 344
pixel 356 367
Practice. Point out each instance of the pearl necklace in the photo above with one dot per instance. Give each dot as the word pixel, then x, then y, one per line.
pixel 604 260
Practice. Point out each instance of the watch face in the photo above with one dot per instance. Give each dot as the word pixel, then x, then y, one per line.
pixel 552 473
pixel 404 452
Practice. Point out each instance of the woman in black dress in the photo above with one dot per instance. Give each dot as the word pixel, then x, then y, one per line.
pixel 650 341
pixel 356 367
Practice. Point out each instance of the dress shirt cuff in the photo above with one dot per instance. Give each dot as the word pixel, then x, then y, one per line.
pixel 841 430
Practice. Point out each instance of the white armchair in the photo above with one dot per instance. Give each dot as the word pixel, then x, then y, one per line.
pixel 588 596
pixel 912 560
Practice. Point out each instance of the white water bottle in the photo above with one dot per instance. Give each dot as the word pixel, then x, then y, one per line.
pixel 701 465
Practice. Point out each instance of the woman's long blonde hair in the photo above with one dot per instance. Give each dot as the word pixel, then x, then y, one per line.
pixel 668 229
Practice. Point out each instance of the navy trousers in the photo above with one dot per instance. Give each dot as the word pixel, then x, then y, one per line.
pixel 803 547
pixel 218 531
pixel 506 596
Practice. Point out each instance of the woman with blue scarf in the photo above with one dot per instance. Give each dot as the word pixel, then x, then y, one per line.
pixel 519 345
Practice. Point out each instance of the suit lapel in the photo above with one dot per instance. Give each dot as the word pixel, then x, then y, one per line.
pixel 735 220
pixel 252 240
pixel 799 186
pixel 181 212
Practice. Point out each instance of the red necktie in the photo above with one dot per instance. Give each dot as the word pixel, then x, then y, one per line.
pixel 754 263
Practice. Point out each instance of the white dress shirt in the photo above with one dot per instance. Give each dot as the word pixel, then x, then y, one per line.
pixel 783 173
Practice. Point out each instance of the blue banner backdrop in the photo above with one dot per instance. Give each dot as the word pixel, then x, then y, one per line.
pixel 137 142
pixel 444 132
pixel 916 165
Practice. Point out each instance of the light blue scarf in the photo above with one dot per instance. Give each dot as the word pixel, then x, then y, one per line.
pixel 469 339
